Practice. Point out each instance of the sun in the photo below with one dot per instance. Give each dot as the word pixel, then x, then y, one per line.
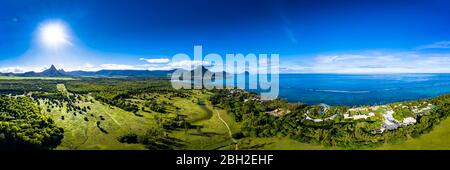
pixel 54 34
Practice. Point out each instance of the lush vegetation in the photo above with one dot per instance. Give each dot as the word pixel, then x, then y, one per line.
pixel 120 113
pixel 22 126
pixel 142 113
pixel 20 87
pixel 116 91
pixel 437 139
pixel 256 121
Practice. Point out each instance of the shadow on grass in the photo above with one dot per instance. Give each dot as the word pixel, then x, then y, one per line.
pixel 206 134
pixel 168 143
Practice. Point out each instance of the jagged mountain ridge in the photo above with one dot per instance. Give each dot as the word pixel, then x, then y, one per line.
pixel 54 72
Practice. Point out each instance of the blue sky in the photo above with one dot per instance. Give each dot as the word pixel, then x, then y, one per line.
pixel 320 36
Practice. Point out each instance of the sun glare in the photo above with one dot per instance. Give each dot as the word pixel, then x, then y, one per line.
pixel 54 35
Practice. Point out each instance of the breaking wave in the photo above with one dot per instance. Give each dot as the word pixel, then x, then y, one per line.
pixel 342 91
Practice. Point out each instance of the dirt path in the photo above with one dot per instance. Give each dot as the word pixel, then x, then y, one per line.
pixel 229 130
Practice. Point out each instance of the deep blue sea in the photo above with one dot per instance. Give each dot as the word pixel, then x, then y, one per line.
pixel 351 90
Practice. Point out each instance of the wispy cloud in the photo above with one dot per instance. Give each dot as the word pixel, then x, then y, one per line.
pixel 19 69
pixel 184 63
pixel 156 60
pixel 437 45
pixel 376 62
pixel 153 65
pixel 118 67
pixel 290 35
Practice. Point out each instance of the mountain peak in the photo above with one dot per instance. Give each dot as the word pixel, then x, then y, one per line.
pixel 52 72
pixel 52 67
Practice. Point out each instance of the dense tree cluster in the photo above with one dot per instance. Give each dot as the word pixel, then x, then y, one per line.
pixel 22 126
pixel 173 123
pixel 19 87
pixel 155 106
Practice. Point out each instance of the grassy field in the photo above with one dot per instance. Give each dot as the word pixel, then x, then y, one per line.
pixel 34 78
pixel 81 131
pixel 101 126
pixel 86 135
pixel 211 132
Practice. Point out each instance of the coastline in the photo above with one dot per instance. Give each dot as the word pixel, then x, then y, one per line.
pixel 380 124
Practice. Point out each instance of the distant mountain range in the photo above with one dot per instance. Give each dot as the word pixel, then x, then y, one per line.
pixel 51 72
pixel 54 72
pixel 121 73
